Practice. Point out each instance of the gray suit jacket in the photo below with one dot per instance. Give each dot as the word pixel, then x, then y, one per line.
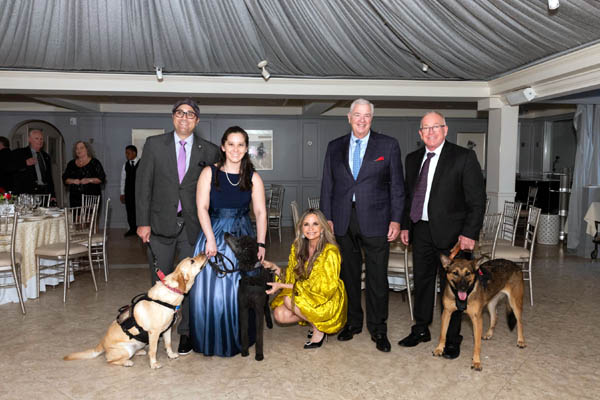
pixel 157 187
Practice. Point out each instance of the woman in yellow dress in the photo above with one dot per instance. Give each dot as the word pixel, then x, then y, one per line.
pixel 312 291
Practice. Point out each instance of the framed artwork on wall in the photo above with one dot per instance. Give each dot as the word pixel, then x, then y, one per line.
pixel 139 136
pixel 475 142
pixel 261 148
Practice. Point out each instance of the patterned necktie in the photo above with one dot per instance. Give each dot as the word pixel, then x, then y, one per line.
pixel 416 209
pixel 356 161
pixel 181 166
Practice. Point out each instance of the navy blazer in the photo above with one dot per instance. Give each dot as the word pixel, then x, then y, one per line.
pixel 379 187
pixel 457 197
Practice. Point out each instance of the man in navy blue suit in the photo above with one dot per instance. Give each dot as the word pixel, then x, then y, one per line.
pixel 362 196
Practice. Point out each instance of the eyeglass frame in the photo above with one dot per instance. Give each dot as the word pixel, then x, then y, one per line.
pixel 185 114
pixel 434 128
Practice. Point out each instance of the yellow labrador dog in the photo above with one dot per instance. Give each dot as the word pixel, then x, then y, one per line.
pixel 154 314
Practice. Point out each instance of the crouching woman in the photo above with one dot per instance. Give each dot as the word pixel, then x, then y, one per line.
pixel 312 292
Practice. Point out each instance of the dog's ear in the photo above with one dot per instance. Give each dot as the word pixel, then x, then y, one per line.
pixel 445 261
pixel 481 260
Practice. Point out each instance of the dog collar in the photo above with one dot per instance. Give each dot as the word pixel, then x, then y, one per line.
pixel 161 276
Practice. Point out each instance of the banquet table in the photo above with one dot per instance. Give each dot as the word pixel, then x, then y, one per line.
pixel 30 235
pixel 591 216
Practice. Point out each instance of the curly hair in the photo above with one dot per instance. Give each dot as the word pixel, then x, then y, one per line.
pixel 88 148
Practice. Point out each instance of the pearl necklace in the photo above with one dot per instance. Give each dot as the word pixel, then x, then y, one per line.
pixel 232 184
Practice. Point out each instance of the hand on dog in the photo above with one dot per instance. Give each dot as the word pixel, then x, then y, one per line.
pixel 211 247
pixel 272 266
pixel 275 286
pixel 466 243
pixel 261 254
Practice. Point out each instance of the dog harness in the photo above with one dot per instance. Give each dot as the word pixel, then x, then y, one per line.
pixel 127 321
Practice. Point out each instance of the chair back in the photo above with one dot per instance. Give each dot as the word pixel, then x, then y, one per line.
pixel 533 218
pixel 490 229
pixel 510 217
pixel 90 199
pixel 43 200
pixel 79 223
pixel 276 202
pixel 314 202
pixel 105 219
pixel 487 205
pixel 295 213
pixel 531 196
pixel 8 233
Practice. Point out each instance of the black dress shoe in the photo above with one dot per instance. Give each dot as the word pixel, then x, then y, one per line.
pixel 185 345
pixel 130 233
pixel 414 339
pixel 381 342
pixel 451 351
pixel 315 345
pixel 348 333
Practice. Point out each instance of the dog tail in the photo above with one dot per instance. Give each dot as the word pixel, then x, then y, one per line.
pixel 86 354
pixel 510 317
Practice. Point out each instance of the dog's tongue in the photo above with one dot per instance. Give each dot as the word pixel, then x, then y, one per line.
pixel 462 296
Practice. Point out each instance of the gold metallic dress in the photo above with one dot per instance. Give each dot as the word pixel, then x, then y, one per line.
pixel 321 297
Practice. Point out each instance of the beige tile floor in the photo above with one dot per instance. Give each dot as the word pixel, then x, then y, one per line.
pixel 561 360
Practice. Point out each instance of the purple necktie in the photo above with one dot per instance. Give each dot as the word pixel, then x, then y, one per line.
pixel 416 209
pixel 181 166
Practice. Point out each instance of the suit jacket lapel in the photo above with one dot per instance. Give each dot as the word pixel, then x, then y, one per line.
pixel 195 156
pixel 370 153
pixel 346 147
pixel 171 156
pixel 442 165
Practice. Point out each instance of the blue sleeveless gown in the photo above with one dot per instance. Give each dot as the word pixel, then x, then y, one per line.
pixel 214 327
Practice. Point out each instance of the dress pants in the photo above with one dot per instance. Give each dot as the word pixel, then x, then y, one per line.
pixel 427 265
pixel 377 251
pixel 130 208
pixel 169 252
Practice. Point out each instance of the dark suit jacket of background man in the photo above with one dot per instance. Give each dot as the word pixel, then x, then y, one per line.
pixel 451 212
pixel 157 187
pixel 379 182
pixel 25 177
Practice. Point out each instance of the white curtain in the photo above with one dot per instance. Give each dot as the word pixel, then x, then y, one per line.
pixel 587 165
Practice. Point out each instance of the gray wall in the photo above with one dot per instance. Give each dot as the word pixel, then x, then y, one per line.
pixel 297 165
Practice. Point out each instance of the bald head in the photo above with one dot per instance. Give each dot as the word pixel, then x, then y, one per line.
pixel 36 139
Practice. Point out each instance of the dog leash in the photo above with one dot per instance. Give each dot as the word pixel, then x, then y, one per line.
pixel 219 260
pixel 158 271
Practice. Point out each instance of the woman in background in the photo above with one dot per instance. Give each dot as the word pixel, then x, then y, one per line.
pixel 84 174
pixel 312 291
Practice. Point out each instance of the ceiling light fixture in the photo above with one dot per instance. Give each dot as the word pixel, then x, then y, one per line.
pixel 265 73
pixel 520 96
pixel 553 4
pixel 159 75
pixel 424 67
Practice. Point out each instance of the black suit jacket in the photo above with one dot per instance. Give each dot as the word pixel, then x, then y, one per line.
pixel 157 187
pixel 457 198
pixel 379 187
pixel 24 178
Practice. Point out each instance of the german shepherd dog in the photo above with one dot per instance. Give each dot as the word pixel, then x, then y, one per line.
pixel 251 292
pixel 473 284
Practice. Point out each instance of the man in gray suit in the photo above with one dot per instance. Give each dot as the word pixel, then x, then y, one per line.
pixel 165 194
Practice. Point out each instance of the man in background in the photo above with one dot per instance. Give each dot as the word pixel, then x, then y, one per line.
pixel 5 165
pixel 33 167
pixel 128 187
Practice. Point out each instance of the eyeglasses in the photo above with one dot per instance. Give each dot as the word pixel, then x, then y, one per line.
pixel 435 128
pixel 359 116
pixel 186 114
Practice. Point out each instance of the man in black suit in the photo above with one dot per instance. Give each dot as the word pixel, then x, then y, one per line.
pixel 5 165
pixel 128 187
pixel 362 196
pixel 445 204
pixel 33 167
pixel 166 211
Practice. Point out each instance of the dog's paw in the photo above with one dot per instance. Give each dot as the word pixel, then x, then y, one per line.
pixel 156 365
pixel 128 363
pixel 172 355
pixel 245 353
pixel 259 357
pixel 521 344
pixel 476 366
pixel 438 351
pixel 141 352
pixel 487 336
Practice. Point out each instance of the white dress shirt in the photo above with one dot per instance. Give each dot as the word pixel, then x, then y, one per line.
pixel 432 166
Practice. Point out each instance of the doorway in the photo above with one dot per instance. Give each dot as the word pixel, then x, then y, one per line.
pixel 54 145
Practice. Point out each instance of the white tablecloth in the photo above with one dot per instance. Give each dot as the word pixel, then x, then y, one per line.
pixel 31 235
pixel 591 216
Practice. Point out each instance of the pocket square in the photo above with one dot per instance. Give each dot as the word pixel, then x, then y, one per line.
pixel 379 159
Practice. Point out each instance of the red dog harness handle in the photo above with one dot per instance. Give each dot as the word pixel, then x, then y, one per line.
pixel 161 276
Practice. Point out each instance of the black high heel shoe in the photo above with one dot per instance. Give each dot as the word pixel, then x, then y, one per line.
pixel 309 334
pixel 316 345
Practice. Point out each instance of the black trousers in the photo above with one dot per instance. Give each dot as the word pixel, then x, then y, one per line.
pixel 130 208
pixel 376 251
pixel 169 252
pixel 427 265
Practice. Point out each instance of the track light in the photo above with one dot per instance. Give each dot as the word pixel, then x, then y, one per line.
pixel 424 67
pixel 265 73
pixel 520 96
pixel 553 4
pixel 159 75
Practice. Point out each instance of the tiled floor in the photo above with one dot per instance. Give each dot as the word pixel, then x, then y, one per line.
pixel 561 360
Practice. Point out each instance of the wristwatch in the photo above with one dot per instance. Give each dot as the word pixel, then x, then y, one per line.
pixel 261 245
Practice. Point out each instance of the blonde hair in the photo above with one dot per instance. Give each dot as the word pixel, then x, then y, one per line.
pixel 304 263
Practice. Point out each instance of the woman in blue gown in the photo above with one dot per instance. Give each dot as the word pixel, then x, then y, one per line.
pixel 223 196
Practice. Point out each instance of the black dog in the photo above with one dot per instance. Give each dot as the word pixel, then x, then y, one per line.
pixel 251 292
